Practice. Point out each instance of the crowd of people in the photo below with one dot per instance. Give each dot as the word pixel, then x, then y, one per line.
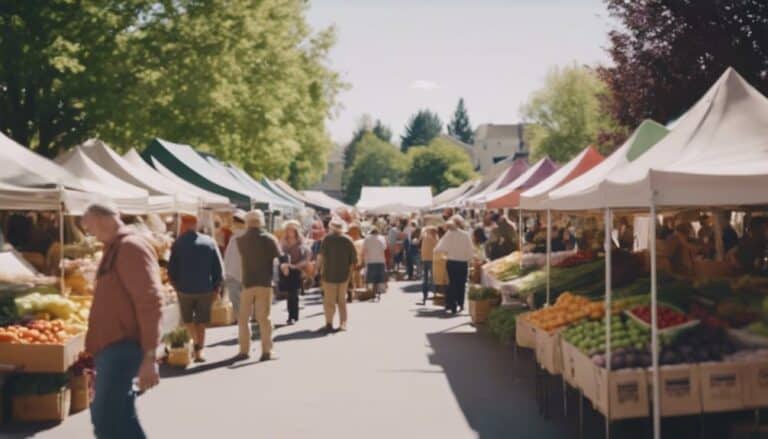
pixel 247 264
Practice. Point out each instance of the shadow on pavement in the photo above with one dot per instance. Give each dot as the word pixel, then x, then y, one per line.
pixel 305 334
pixel 173 372
pixel 412 288
pixel 495 392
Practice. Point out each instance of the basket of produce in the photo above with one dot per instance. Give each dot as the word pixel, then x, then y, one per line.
pixel 671 320
pixel 363 294
pixel 41 345
pixel 179 345
pixel 481 300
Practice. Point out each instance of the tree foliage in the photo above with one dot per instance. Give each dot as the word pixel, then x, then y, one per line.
pixel 382 131
pixel 247 81
pixel 377 163
pixel 460 127
pixel 440 165
pixel 364 126
pixel 566 114
pixel 421 129
pixel 668 53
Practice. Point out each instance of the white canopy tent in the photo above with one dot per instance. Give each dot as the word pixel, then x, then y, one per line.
pixel 394 199
pixel 717 155
pixel 444 198
pixel 175 184
pixel 141 177
pixel 644 137
pixel 22 167
pixel 28 199
pixel 129 199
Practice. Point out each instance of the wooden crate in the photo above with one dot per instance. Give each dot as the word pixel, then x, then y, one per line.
pixel 42 408
pixel 43 358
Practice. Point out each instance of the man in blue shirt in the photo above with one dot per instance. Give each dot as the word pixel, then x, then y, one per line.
pixel 195 270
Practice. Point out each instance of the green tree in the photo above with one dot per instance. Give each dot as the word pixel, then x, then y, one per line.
pixel 377 163
pixel 421 129
pixel 566 114
pixel 460 127
pixel 440 165
pixel 247 81
pixel 382 131
pixel 364 126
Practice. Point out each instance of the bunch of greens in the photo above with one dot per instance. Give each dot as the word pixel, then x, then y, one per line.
pixel 502 323
pixel 177 338
pixel 483 293
pixel 8 312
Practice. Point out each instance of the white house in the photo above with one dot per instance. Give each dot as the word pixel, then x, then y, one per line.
pixel 494 143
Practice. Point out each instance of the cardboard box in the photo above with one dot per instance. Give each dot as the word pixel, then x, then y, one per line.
pixel 80 387
pixel 180 357
pixel 621 394
pixel 721 387
pixel 755 384
pixel 41 408
pixel 479 310
pixel 525 333
pixel 584 373
pixel 569 362
pixel 222 313
pixel 548 352
pixel 680 390
pixel 47 358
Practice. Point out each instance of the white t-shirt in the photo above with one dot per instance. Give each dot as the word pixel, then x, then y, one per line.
pixel 232 263
pixel 457 245
pixel 374 248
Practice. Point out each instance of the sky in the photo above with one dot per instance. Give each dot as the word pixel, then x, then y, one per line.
pixel 400 56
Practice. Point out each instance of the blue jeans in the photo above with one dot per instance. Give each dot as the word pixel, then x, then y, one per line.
pixel 113 411
pixel 426 268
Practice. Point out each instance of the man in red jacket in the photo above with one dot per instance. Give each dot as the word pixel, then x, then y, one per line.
pixel 124 324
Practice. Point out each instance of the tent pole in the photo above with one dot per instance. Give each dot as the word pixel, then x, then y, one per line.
pixel 62 284
pixel 654 330
pixel 520 232
pixel 607 243
pixel 549 250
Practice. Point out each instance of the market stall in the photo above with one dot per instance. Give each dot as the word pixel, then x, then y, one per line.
pixel 508 196
pixel 394 199
pixel 678 339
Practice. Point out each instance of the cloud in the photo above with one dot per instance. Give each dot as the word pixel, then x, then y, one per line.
pixel 421 84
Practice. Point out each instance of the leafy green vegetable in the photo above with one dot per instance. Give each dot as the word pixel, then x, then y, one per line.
pixel 502 323
pixel 482 293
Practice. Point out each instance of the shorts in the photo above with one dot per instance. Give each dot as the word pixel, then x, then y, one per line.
pixel 375 273
pixel 196 308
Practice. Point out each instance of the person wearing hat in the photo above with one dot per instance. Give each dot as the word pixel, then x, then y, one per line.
pixel 337 259
pixel 258 252
pixel 195 270
pixel 457 245
pixel 295 259
pixel 233 279
pixel 429 240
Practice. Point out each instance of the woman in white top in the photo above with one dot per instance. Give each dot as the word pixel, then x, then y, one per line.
pixel 375 259
pixel 457 245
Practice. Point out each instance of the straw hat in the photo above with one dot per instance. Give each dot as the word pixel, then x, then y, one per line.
pixel 292 224
pixel 254 219
pixel 338 225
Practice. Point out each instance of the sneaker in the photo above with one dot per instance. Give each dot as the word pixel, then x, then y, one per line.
pixel 268 356
pixel 290 322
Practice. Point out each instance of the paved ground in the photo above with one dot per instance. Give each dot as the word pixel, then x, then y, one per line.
pixel 401 371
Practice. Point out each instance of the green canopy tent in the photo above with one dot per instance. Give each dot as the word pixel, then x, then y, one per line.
pixel 190 166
